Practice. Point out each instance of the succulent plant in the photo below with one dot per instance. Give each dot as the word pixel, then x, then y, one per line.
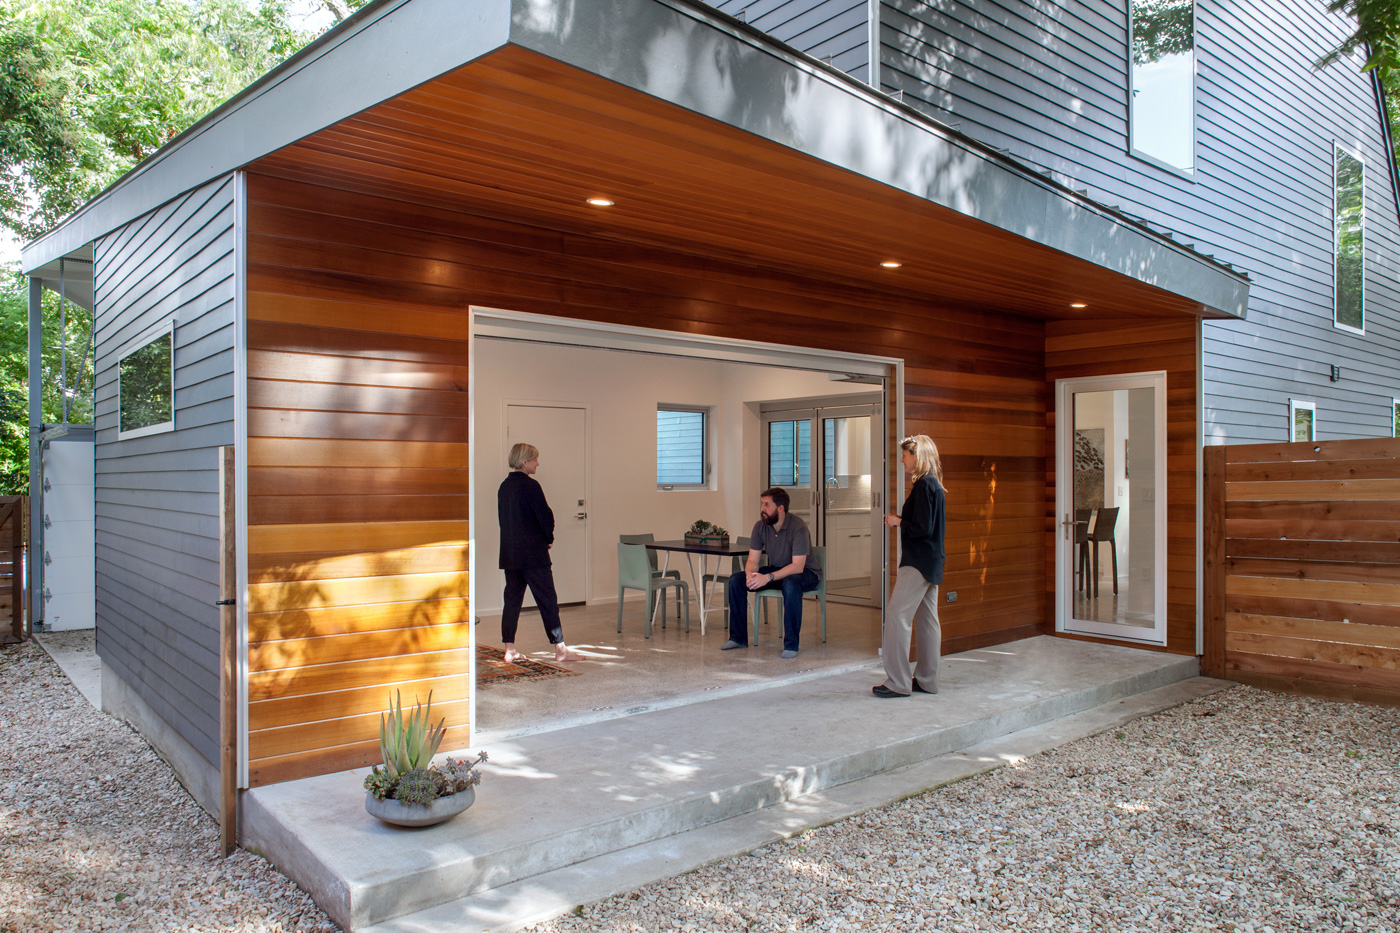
pixel 418 785
pixel 460 773
pixel 379 783
pixel 409 744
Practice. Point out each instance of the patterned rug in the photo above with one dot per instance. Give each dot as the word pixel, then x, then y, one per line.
pixel 492 667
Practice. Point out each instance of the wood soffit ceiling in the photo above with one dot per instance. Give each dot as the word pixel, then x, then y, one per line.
pixel 519 137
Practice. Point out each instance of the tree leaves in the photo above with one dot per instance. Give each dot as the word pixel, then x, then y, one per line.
pixel 89 88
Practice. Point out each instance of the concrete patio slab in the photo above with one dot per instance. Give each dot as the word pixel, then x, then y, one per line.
pixel 553 800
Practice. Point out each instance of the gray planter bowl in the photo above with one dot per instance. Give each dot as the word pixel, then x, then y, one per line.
pixel 419 814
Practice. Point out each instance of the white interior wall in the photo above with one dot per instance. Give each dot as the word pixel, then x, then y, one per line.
pixel 622 390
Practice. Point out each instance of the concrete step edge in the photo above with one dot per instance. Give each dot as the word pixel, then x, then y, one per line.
pixel 473 874
pixel 531 900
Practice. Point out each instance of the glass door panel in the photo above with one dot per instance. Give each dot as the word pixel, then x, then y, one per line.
pixel 1112 489
pixel 846 504
pixel 836 500
pixel 790 463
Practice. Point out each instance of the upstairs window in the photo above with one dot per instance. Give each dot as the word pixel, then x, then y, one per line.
pixel 1349 222
pixel 146 386
pixel 1162 82
pixel 1396 402
pixel 682 438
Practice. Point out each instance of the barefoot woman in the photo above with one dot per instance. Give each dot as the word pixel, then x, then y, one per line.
pixel 913 605
pixel 527 534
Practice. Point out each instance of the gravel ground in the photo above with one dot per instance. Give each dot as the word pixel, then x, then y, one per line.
pixel 1243 811
pixel 96 834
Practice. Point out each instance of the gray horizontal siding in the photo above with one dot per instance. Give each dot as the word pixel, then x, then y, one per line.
pixel 157 496
pixel 1046 81
pixel 835 30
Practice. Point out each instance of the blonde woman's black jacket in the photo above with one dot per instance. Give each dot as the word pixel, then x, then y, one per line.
pixel 922 523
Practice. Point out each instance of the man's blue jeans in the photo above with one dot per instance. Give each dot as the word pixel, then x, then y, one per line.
pixel 793 587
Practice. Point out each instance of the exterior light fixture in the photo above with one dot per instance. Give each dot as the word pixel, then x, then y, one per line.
pixel 891 264
pixel 1079 304
pixel 600 202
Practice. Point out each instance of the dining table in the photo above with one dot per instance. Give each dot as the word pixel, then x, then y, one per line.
pixel 693 550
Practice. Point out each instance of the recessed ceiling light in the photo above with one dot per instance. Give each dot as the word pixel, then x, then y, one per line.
pixel 891 264
pixel 1079 304
pixel 600 202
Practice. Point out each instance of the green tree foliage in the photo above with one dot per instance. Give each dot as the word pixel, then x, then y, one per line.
pixel 1377 33
pixel 89 88
pixel 1162 28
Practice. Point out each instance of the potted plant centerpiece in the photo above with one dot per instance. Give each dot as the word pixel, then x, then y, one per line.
pixel 702 532
pixel 409 790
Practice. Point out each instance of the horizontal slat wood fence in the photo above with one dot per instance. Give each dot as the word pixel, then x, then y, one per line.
pixel 14 621
pixel 1302 567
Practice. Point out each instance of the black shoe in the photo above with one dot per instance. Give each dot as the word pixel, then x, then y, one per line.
pixel 918 689
pixel 885 693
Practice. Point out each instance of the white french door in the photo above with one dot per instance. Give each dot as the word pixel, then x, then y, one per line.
pixel 830 459
pixel 1111 501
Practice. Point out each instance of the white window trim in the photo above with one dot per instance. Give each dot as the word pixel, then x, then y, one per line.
pixel 1295 405
pixel 132 346
pixel 709 430
pixel 1336 280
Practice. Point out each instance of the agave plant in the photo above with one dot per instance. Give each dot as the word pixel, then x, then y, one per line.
pixel 409 744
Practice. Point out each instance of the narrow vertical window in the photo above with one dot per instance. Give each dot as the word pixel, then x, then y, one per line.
pixel 1162 82
pixel 1301 417
pixel 146 386
pixel 1349 220
pixel 681 447
pixel 1396 403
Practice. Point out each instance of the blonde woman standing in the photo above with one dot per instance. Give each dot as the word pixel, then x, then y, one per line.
pixel 913 606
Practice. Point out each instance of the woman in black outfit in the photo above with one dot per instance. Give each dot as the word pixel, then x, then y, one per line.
pixel 527 534
pixel 913 605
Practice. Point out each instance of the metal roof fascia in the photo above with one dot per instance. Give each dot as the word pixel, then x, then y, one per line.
pixel 709 64
pixel 671 50
pixel 382 51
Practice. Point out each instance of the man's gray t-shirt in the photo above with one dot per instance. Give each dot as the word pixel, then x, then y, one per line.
pixel 782 546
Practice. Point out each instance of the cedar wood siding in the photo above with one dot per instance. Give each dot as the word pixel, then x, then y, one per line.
pixel 157 497
pixel 1047 82
pixel 1075 349
pixel 838 30
pixel 336 275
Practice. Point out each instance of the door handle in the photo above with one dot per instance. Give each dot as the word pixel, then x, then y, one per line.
pixel 1067 524
pixel 581 515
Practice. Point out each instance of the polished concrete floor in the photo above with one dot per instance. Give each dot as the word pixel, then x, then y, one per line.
pixel 627 673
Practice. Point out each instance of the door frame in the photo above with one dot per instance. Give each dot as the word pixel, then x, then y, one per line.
pixel 1064 504
pixel 523 325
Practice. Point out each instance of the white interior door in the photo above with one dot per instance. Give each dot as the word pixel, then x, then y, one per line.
pixel 561 434
pixel 1111 493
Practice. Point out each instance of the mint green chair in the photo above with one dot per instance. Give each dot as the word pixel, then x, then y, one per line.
pixel 761 597
pixel 634 573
